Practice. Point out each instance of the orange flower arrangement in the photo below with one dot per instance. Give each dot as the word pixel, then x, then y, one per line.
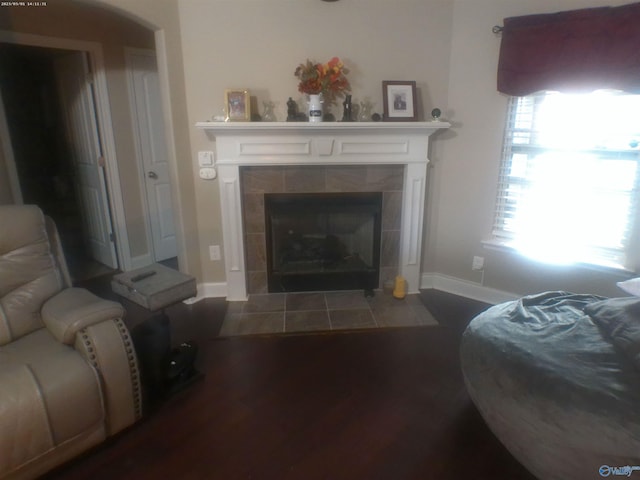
pixel 329 79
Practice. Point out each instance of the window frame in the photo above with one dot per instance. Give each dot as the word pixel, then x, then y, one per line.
pixel 502 235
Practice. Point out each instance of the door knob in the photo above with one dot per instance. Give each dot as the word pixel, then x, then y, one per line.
pixel 153 175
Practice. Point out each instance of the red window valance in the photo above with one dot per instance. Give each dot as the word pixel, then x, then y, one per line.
pixel 577 50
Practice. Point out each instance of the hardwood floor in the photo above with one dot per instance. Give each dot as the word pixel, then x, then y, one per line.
pixel 370 404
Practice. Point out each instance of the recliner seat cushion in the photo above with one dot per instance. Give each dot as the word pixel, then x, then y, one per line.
pixel 49 395
pixel 28 273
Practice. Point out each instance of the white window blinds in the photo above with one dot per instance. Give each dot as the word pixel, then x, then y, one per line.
pixel 569 178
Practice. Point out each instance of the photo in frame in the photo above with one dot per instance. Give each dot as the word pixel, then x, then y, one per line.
pixel 238 105
pixel 400 101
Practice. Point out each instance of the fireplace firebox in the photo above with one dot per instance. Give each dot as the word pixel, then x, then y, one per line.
pixel 323 241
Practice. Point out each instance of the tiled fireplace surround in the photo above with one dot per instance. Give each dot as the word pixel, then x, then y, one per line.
pixel 256 181
pixel 289 157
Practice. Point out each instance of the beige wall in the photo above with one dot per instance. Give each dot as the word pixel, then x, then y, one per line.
pixel 445 45
pixel 257 44
pixel 66 19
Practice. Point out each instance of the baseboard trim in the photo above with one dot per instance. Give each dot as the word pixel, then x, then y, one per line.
pixel 438 281
pixel 141 261
pixel 209 290
pixel 465 288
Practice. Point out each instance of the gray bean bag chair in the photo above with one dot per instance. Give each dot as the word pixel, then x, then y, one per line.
pixel 556 377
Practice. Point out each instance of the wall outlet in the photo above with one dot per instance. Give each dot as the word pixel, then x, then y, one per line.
pixel 214 252
pixel 478 263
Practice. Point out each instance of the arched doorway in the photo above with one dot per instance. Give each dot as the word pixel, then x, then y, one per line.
pixel 124 178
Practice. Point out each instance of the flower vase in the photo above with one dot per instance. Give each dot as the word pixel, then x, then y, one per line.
pixel 315 107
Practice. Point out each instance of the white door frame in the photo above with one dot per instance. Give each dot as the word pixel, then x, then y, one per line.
pixel 167 111
pixel 139 166
pixel 96 57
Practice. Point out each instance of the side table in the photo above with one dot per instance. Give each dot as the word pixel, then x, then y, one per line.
pixel 156 287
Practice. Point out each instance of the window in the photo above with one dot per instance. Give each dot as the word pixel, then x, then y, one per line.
pixel 568 184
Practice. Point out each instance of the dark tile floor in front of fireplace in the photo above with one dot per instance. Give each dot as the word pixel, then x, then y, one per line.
pixel 322 311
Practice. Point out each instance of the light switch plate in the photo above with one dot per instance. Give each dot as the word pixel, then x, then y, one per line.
pixel 205 158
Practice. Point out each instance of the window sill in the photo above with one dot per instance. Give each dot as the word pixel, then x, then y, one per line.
pixel 508 247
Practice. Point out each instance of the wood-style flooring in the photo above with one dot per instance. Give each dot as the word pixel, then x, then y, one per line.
pixel 356 404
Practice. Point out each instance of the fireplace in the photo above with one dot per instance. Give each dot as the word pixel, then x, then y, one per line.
pixel 336 157
pixel 323 241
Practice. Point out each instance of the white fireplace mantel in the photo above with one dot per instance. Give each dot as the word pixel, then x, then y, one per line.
pixel 240 144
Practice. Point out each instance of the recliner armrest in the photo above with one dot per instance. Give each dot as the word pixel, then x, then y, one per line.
pixel 73 309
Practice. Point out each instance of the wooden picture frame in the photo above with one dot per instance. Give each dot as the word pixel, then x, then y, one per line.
pixel 400 101
pixel 237 103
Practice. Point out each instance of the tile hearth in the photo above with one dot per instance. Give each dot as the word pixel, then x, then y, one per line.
pixel 322 311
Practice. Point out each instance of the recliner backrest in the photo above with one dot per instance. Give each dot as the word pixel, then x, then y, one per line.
pixel 28 272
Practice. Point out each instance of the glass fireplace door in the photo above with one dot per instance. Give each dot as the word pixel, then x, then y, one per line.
pixel 323 241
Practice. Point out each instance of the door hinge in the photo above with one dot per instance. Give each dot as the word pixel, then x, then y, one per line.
pixel 112 238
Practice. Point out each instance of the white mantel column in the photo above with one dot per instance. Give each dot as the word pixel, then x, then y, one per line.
pixel 411 233
pixel 231 204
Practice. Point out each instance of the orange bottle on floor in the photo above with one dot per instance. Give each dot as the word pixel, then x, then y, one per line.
pixel 400 288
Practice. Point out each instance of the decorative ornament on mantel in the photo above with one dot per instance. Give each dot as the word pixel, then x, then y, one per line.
pixel 323 83
pixel 269 115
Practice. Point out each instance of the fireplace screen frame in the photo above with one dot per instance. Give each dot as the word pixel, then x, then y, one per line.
pixel 366 278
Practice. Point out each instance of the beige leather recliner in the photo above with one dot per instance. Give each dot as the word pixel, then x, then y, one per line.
pixel 68 370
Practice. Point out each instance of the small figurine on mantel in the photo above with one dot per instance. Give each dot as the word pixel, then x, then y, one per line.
pixel 347 109
pixel 293 115
pixel 292 110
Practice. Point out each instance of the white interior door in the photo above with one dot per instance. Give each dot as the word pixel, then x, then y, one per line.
pixel 149 128
pixel 78 104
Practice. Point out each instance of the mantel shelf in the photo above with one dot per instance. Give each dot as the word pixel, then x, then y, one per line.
pixel 310 128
